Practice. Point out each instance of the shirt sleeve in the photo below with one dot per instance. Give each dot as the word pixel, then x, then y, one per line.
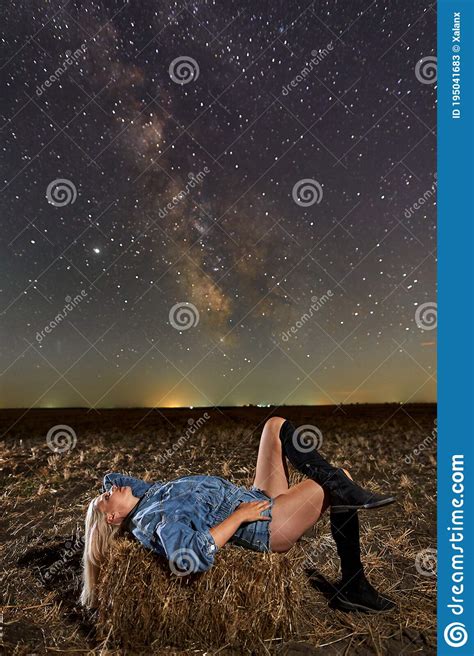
pixel 188 551
pixel 138 486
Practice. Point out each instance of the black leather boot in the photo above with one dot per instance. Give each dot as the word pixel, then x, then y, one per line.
pixel 354 592
pixel 359 595
pixel 344 494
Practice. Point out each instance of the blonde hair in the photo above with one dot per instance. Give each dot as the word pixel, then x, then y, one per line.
pixel 97 539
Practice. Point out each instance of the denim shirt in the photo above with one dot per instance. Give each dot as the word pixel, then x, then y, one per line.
pixel 173 518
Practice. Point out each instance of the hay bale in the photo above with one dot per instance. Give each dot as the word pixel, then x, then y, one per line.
pixel 246 598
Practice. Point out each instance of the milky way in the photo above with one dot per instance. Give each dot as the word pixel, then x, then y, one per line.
pixel 218 203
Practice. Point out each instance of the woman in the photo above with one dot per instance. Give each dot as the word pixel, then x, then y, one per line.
pixel 189 519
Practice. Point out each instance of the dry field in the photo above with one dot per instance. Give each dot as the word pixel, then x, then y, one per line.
pixel 389 447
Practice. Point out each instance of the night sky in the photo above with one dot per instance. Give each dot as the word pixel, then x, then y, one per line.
pixel 181 182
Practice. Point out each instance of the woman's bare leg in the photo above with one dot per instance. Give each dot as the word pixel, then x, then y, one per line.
pixel 294 512
pixel 271 474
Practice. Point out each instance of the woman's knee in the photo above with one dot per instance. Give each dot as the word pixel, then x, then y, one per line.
pixel 274 424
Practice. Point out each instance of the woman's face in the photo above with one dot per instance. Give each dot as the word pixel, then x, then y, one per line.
pixel 116 503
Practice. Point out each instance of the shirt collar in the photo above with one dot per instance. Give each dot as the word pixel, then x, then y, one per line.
pixel 127 520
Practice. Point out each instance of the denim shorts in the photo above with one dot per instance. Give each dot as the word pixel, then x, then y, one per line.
pixel 254 535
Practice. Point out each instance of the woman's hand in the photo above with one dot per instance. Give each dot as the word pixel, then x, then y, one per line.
pixel 245 512
pixel 250 511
